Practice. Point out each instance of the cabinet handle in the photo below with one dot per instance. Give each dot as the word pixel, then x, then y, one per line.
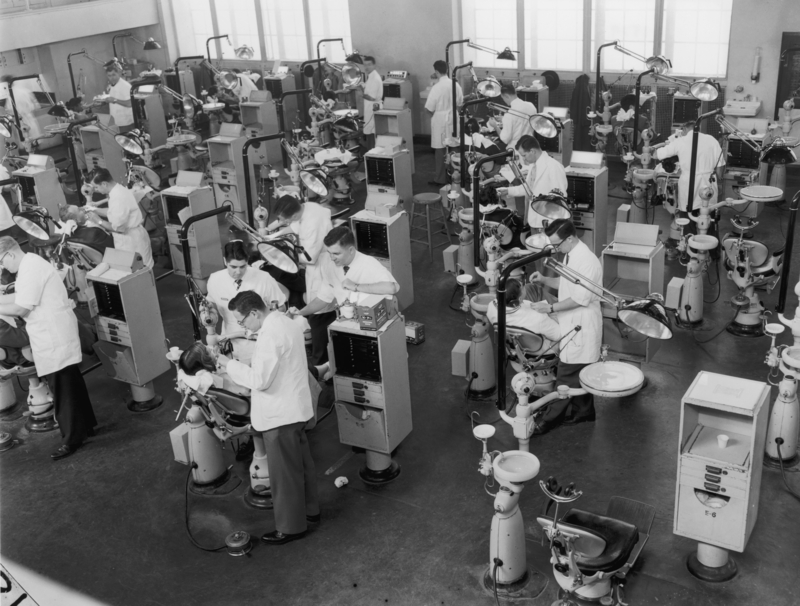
pixel 715 470
pixel 711 487
pixel 714 479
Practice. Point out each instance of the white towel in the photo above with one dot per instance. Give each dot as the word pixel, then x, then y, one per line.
pixel 201 382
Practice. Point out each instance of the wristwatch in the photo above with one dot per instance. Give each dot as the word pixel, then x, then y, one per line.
pixel 552 309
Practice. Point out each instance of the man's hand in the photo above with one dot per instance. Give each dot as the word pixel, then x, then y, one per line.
pixel 349 284
pixel 292 312
pixel 541 307
pixel 502 191
pixel 536 278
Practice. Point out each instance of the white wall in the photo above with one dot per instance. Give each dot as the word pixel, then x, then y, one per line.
pixel 761 23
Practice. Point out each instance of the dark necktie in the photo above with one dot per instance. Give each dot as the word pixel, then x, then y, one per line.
pixel 346 269
pixel 238 284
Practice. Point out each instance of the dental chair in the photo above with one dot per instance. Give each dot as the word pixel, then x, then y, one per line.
pixel 591 553
pixel 531 353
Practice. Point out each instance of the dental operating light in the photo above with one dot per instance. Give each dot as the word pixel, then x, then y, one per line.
pixel 244 52
pixel 657 64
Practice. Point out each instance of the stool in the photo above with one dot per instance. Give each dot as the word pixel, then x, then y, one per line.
pixel 428 199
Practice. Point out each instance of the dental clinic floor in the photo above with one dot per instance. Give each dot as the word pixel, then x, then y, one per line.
pixel 109 521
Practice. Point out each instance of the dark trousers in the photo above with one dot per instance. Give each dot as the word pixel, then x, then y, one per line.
pixel 74 411
pixel 292 476
pixel 438 162
pixel 370 141
pixel 319 336
pixel 296 283
pixel 579 406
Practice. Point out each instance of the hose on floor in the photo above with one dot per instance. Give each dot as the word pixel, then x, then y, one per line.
pixel 186 510
pixel 778 442
pixel 497 563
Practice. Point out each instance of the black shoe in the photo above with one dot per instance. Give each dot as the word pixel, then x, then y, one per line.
pixel 64 451
pixel 575 420
pixel 314 519
pixel 542 428
pixel 92 432
pixel 278 538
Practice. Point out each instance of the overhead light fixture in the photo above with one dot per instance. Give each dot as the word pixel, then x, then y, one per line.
pixel 149 44
pixel 552 206
pixel 506 54
pixel 244 52
pixel 354 57
pixel 659 64
pixel 132 142
pixel 704 89
pixel 313 183
pixel 544 126
pixel 280 253
pixel 489 87
pixel 778 153
pixel 5 126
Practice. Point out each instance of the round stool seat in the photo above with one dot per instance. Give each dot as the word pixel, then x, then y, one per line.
pixel 427 198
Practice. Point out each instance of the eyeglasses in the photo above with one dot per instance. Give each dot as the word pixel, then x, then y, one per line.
pixel 2 259
pixel 243 320
pixel 558 246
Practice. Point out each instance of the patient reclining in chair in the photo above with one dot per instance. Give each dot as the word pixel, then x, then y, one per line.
pixel 520 314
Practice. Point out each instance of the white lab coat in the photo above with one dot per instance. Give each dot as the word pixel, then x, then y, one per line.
pixel 123 116
pixel 363 270
pixel 277 375
pixel 126 218
pixel 440 102
pixel 52 325
pixel 374 88
pixel 709 157
pixel 244 87
pixel 543 177
pixel 515 127
pixel 528 318
pixel 582 347
pixel 222 288
pixel 312 228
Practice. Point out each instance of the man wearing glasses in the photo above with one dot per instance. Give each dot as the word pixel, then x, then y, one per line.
pixel 42 300
pixel 280 407
pixel 576 306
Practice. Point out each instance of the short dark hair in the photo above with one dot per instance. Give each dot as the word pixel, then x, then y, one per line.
pixel 340 235
pixel 235 250
pixel 101 175
pixel 440 66
pixel 369 58
pixel 195 359
pixel 246 302
pixel 563 228
pixel 527 143
pixel 287 206
pixel 513 292
pixel 508 89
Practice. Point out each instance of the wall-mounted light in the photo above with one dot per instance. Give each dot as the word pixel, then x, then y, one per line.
pixel 756 73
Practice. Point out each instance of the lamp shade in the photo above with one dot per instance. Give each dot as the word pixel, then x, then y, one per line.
pixel 31 228
pixel 552 206
pixel 313 183
pixel 151 44
pixel 58 110
pixel 659 64
pixel 351 74
pixel 5 126
pixel 544 125
pixel 489 87
pixel 704 89
pixel 648 317
pixel 778 153
pixel 355 57
pixel 188 106
pixel 244 52
pixel 131 142
pixel 280 253
pixel 506 54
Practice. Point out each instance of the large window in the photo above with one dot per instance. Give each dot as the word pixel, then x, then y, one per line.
pixel 696 36
pixel 193 26
pixel 237 18
pixel 285 29
pixel 632 22
pixel 554 34
pixel 490 23
pixel 330 19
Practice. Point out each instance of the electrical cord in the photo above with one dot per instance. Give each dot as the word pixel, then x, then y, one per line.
pixel 778 442
pixel 718 284
pixel 497 563
pixel 716 334
pixel 188 530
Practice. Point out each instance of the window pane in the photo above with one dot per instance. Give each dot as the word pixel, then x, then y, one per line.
pixel 632 22
pixel 285 29
pixel 696 36
pixel 493 24
pixel 237 18
pixel 330 19
pixel 553 34
pixel 194 17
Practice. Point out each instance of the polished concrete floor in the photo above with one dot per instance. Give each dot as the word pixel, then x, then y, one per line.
pixel 109 521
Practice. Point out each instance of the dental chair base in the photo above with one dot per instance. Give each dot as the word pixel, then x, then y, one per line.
pixel 380 469
pixel 259 495
pixel 41 407
pixel 206 453
pixel 143 398
pixel 784 420
pixel 748 321
pixel 483 380
pixel 711 564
